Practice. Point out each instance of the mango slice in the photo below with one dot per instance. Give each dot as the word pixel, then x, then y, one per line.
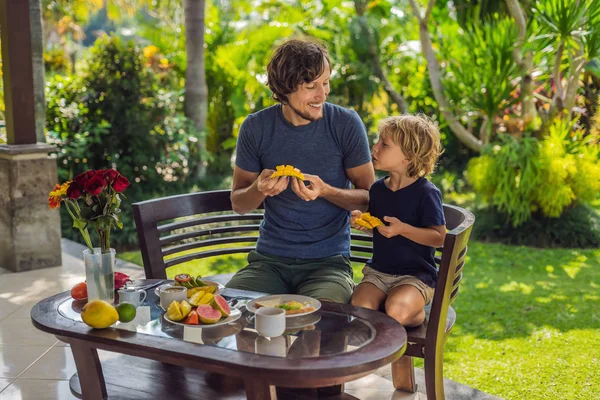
pixel 185 308
pixel 196 297
pixel 368 221
pixel 287 170
pixel 174 312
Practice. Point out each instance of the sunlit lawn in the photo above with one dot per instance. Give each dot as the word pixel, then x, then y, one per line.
pixel 528 320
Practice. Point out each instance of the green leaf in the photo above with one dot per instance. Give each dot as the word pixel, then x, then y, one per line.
pixel 79 224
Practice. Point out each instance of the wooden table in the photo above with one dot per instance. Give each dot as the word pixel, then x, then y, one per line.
pixel 339 343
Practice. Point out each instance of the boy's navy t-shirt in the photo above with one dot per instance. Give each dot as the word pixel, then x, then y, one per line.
pixel 420 205
pixel 293 227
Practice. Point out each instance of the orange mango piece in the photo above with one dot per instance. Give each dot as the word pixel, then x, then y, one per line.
pixel 287 170
pixel 368 221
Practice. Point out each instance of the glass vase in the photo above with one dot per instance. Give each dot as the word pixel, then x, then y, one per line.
pixel 99 274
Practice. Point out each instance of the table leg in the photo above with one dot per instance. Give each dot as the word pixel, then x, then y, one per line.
pixel 403 374
pixel 260 390
pixel 89 370
pixel 331 390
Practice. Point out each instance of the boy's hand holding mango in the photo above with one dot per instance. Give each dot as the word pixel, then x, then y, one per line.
pixel 364 222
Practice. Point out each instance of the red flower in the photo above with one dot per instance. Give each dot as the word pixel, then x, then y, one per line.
pixel 120 184
pixel 84 177
pixel 95 185
pixel 75 190
pixel 110 175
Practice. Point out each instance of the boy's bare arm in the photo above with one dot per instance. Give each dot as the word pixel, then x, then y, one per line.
pixel 433 236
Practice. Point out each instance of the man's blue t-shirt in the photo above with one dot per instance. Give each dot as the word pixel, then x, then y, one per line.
pixel 420 205
pixel 293 227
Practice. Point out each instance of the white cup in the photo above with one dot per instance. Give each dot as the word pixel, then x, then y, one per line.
pixel 270 321
pixel 276 346
pixel 133 296
pixel 170 294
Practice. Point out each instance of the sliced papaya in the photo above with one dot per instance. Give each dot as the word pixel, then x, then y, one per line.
pixel 191 319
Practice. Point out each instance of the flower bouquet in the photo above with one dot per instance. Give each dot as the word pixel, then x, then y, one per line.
pixel 93 198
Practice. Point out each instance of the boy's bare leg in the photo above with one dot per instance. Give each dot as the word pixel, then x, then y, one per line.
pixel 406 305
pixel 368 295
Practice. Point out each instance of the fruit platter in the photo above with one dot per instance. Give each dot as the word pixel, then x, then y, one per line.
pixel 201 310
pixel 193 284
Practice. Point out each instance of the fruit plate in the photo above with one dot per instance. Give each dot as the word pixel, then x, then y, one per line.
pixel 274 300
pixel 219 287
pixel 234 316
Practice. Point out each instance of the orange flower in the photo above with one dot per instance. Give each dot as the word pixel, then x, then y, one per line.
pixel 56 195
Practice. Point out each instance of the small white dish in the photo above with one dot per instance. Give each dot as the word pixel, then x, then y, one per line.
pixel 272 301
pixel 219 287
pixel 171 294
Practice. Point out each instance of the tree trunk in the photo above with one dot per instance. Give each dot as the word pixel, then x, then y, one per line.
pixel 196 91
pixel 37 59
pixel 525 62
pixel 433 68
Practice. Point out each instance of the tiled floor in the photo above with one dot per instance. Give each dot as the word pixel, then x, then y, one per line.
pixel 36 366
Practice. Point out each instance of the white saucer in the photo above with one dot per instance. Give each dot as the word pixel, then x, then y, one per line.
pixel 234 316
pixel 282 298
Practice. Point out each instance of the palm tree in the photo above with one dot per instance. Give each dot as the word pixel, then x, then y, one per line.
pixel 196 91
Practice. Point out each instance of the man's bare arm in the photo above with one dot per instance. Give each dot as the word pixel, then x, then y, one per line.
pixel 362 177
pixel 249 189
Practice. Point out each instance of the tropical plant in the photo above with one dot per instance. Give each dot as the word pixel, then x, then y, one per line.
pixel 531 176
pixel 487 72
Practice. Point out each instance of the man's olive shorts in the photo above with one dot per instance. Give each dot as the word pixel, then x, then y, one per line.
pixel 327 278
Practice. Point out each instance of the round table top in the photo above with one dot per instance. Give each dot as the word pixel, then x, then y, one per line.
pixel 339 338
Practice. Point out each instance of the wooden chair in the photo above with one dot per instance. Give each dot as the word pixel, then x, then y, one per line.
pixel 192 223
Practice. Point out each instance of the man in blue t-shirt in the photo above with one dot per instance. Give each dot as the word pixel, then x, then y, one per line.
pixel 304 242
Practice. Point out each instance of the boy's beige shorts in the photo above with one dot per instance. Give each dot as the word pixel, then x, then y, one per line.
pixel 386 282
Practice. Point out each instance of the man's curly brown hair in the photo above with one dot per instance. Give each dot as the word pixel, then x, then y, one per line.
pixel 294 62
pixel 419 139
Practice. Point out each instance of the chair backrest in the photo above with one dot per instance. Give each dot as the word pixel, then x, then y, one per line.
pixel 191 223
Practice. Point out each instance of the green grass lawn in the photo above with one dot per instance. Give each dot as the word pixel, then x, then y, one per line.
pixel 528 320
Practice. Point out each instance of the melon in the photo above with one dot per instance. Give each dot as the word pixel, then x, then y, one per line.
pixel 221 304
pixel 207 314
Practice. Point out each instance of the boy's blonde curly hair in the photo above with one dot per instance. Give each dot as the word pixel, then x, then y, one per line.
pixel 419 139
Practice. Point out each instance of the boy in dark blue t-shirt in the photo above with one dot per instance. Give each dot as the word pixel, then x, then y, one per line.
pixel 402 271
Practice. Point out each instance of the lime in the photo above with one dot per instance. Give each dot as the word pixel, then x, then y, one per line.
pixel 126 312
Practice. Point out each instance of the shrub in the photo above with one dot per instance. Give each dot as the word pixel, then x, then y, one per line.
pixel 114 115
pixel 577 227
pixel 544 177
